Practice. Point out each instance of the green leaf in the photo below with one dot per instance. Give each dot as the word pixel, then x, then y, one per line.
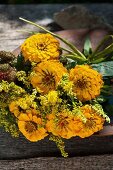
pixel 101 99
pixel 67 62
pixel 105 52
pixel 108 108
pixel 98 52
pixel 19 63
pixel 87 47
pixel 95 61
pixel 105 68
pixel 22 64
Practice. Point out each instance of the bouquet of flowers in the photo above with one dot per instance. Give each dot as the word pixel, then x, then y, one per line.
pixel 56 92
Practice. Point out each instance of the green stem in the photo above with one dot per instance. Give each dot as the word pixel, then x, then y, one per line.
pixel 97 60
pixel 100 44
pixel 32 23
pixel 75 57
pixel 67 50
pixel 105 91
pixel 56 35
pixel 72 55
pixel 106 51
pixel 26 31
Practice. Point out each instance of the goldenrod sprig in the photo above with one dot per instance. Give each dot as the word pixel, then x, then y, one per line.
pixel 60 144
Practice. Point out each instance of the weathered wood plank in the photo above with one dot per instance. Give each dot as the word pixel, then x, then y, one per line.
pixel 103 162
pixel 16 148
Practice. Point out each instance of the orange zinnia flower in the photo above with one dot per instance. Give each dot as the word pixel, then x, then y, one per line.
pixel 40 47
pixel 93 124
pixel 63 124
pixel 30 124
pixel 87 82
pixel 47 75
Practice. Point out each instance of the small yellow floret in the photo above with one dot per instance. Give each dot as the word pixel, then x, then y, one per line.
pixel 52 97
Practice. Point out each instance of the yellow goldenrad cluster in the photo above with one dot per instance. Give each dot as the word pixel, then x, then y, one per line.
pixel 40 47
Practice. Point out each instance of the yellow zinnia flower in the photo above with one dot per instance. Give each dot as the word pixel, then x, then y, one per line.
pixel 87 82
pixel 40 47
pixel 63 124
pixel 47 75
pixel 30 124
pixel 93 124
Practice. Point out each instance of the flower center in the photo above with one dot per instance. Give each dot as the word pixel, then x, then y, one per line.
pixel 48 79
pixel 30 127
pixel 81 83
pixel 90 123
pixel 63 122
pixel 41 46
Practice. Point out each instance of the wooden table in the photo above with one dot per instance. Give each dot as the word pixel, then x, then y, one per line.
pixel 11 39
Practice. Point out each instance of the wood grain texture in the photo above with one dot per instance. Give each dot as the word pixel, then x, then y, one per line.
pixel 101 162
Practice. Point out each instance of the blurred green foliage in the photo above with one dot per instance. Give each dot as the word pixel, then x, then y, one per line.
pixel 52 1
